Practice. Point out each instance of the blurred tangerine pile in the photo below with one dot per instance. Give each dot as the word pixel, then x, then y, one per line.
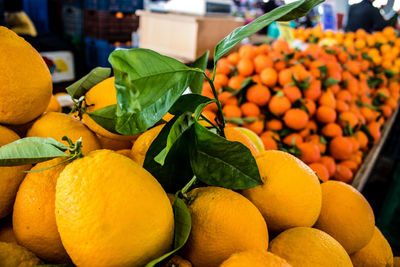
pixel 326 104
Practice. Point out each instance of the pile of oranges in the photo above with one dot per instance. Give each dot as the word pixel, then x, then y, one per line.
pixel 326 104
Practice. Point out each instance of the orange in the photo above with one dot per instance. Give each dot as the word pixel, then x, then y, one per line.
pixel 309 152
pixel 255 258
pixel 352 165
pixel 327 99
pixel 296 118
pixel 25 82
pixel 348 119
pixel 362 139
pixel 250 109
pixel 344 95
pixel 233 58
pixel 386 110
pixel 309 247
pixel 314 91
pixel 289 184
pixel 224 66
pixel 340 148
pixel 320 170
pixel 279 104
pixel 247 51
pixel 245 67
pixel 113 144
pixel 293 139
pixel 213 211
pixel 143 142
pixel 342 106
pixel 316 139
pixel 274 125
pixel 285 77
pixel 310 106
pixel 331 130
pixel 232 111
pixel 257 126
pixel 346 215
pixel 54 105
pixel 237 134
pixel 235 82
pixel 375 130
pixel 343 173
pixel 326 114
pixel 269 142
pixel 292 92
pixel 258 94
pixel 269 77
pixel 262 62
pixel 226 98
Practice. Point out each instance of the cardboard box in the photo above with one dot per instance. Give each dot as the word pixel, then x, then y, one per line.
pixel 184 37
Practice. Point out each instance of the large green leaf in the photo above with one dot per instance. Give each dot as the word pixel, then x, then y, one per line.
pixel 106 117
pixel 176 171
pixel 283 13
pixel 147 84
pixel 80 87
pixel 219 162
pixel 197 83
pixel 183 225
pixel 188 102
pixel 31 150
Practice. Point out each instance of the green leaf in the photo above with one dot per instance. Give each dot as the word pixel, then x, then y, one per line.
pixel 390 73
pixel 188 102
pixel 183 226
pixel 330 81
pixel 323 70
pixel 80 87
pixel 283 13
pixel 197 83
pixel 245 85
pixel 365 129
pixel 181 125
pixel 147 84
pixel 106 117
pixel 171 176
pixel 219 162
pixel 240 121
pixel 199 109
pixel 367 57
pixel 372 82
pixel 31 150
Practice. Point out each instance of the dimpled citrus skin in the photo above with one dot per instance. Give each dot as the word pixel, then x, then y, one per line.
pixel 10 177
pixel 309 247
pixel 34 220
pixel 290 195
pixel 13 255
pixel 102 95
pixel 255 258
pixel 223 222
pixel 25 81
pixel 346 215
pixel 376 253
pixel 143 142
pixel 57 125
pixel 112 212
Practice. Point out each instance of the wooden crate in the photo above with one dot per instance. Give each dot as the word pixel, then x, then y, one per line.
pixel 184 37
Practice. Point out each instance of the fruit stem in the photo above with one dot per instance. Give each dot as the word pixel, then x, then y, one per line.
pixel 188 185
pixel 210 122
pixel 220 117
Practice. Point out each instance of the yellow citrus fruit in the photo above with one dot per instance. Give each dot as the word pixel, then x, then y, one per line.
pixel 309 247
pixel 346 215
pixel 376 253
pixel 7 233
pixel 54 105
pixel 143 142
pixel 25 80
pixel 178 261
pixel 57 125
pixel 112 212
pixel 10 177
pixel 255 258
pixel 34 220
pixel 125 152
pixel 290 195
pixel 102 95
pixel 396 261
pixel 223 222
pixel 114 144
pixel 13 255
pixel 246 137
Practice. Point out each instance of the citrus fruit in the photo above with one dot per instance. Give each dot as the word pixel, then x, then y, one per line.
pixel 54 105
pixel 10 177
pixel 346 215
pixel 223 222
pixel 289 185
pixel 112 212
pixel 114 144
pixel 304 246
pixel 7 233
pixel 102 95
pixel 34 220
pixel 255 258
pixel 13 255
pixel 376 253
pixel 396 261
pixel 25 81
pixel 246 137
pixel 178 261
pixel 57 125
pixel 143 142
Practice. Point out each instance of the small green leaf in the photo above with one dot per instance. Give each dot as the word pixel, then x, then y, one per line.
pixel 323 140
pixel 323 70
pixel 197 83
pixel 147 84
pixel 181 125
pixel 106 117
pixel 199 109
pixel 330 51
pixel 31 150
pixel 365 129
pixel 374 81
pixel 80 87
pixel 219 162
pixel 329 82
pixel 287 12
pixel 240 121
pixel 189 103
pixel 183 226
pixel 367 57
pixel 390 73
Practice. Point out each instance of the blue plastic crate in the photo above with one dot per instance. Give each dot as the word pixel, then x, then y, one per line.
pixel 98 51
pixel 75 3
pixel 38 12
pixel 114 5
pixel 72 17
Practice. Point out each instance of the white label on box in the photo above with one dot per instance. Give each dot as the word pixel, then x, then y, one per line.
pixel 61 65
